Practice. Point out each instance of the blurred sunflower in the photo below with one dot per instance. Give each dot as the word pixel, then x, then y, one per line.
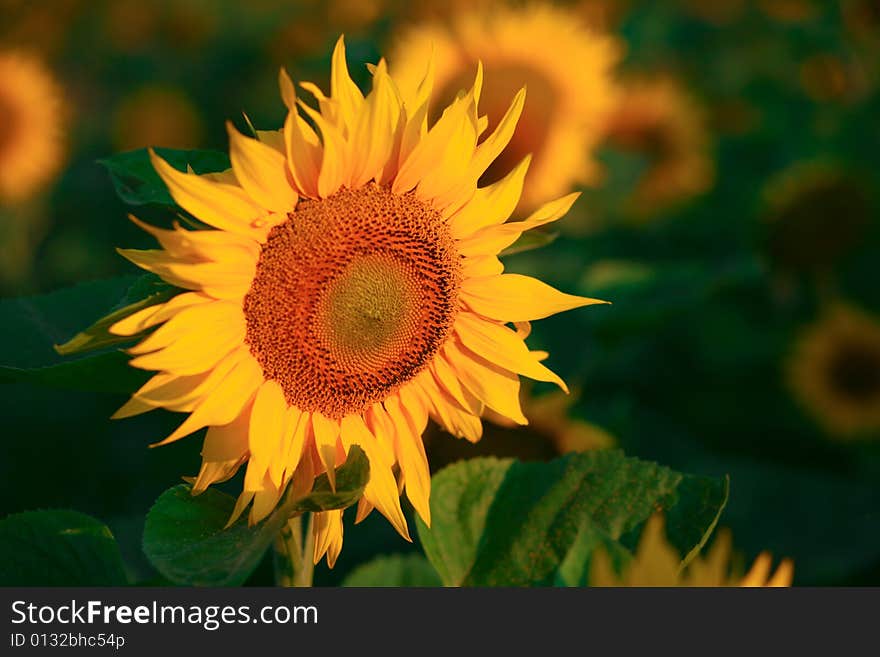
pixel 657 563
pixel 551 432
pixel 834 371
pixel 826 77
pixel 815 214
pixel 133 25
pixel 656 118
pixel 603 14
pixel 156 115
pixel 862 19
pixel 31 115
pixel 351 290
pixel 566 66
pixel 313 22
pixel 789 11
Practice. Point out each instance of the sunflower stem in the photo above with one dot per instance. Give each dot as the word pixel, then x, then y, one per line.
pixel 293 561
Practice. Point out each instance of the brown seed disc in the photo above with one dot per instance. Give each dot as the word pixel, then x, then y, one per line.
pixel 353 296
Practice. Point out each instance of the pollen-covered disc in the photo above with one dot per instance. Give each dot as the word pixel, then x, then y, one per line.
pixel 353 296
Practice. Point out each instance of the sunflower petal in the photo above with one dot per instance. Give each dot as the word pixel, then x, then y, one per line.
pixel 496 387
pixel 224 403
pixel 499 345
pixel 490 205
pixel 381 490
pixel 517 298
pixel 326 433
pixel 493 239
pixel 223 206
pixel 262 172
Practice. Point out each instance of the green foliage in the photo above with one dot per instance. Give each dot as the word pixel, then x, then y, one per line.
pixel 137 182
pixel 58 548
pixel 187 540
pixel 506 523
pixel 394 570
pixel 147 291
pixel 32 325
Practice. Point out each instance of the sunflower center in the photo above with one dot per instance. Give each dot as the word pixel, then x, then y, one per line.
pixel 855 372
pixel 353 295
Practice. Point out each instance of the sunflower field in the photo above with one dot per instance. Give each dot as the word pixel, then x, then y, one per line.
pixel 379 293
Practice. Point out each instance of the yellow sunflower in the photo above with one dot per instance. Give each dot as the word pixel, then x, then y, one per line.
pixel 30 119
pixel 349 291
pixel 566 66
pixel 815 214
pixel 834 370
pixel 658 119
pixel 657 563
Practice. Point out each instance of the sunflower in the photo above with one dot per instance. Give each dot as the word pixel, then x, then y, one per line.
pixel 656 118
pixel 551 432
pixel 566 66
pixel 30 119
pixel 790 11
pixel 657 563
pixel 815 214
pixel 834 370
pixel 349 290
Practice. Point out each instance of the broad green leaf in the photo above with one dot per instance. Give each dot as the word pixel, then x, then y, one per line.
pixel 505 523
pixel 137 182
pixel 30 327
pixel 394 570
pixel 185 536
pixel 533 239
pixel 147 291
pixel 58 548
pixel 106 372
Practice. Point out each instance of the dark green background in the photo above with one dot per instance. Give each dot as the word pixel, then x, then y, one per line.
pixel 684 368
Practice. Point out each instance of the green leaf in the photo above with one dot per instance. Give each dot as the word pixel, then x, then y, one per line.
pixel 533 239
pixel 58 548
pixel 187 540
pixel 106 372
pixel 30 327
pixel 148 290
pixel 394 570
pixel 137 182
pixel 505 523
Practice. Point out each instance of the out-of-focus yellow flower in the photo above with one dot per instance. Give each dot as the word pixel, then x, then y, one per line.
pixel 31 119
pixel 349 291
pixel 182 24
pixel 606 15
pixel 658 119
pixel 789 11
pixel 815 214
pixel 314 23
pixel 862 19
pixel 566 66
pixel 156 115
pixel 826 77
pixel 834 371
pixel 43 27
pixel 657 563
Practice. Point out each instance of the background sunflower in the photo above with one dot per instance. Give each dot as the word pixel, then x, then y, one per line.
pixel 715 298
